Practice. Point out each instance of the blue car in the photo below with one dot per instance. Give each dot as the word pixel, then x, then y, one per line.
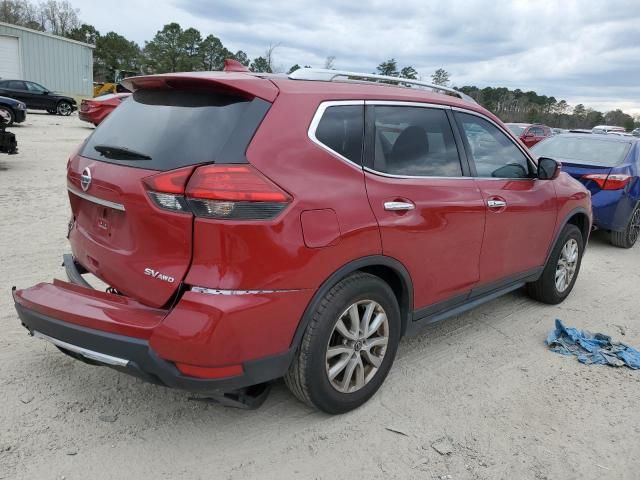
pixel 12 111
pixel 609 166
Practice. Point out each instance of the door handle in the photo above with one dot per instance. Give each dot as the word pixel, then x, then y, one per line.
pixel 496 203
pixel 398 206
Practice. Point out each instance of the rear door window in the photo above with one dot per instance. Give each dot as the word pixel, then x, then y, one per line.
pixel 168 129
pixel 414 141
pixel 16 85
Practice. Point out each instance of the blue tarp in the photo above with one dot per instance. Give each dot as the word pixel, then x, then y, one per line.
pixel 592 348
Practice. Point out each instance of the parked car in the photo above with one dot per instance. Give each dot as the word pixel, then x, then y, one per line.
pixel 12 111
pixel 607 129
pixel 96 109
pixel 37 97
pixel 530 134
pixel 636 132
pixel 608 165
pixel 253 227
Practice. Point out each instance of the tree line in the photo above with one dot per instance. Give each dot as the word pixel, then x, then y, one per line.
pixel 518 106
pixel 175 49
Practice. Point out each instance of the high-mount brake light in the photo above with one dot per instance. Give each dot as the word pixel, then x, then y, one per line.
pixel 234 192
pixel 614 181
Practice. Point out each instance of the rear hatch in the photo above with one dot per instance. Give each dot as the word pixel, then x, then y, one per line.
pixel 117 231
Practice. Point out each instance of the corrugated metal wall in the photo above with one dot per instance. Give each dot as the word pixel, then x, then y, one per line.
pixel 58 64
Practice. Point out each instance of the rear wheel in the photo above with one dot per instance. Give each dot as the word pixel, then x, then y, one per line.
pixel 348 346
pixel 64 108
pixel 629 236
pixel 560 274
pixel 6 114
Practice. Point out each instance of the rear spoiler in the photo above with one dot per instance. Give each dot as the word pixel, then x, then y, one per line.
pixel 237 82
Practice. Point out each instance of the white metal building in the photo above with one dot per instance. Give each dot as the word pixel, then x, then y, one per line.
pixel 57 63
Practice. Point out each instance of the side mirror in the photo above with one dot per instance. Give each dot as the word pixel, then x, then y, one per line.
pixel 548 168
pixel 46 92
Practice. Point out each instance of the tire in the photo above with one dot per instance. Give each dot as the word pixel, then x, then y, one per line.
pixel 64 108
pixel 629 236
pixel 549 288
pixel 7 113
pixel 308 376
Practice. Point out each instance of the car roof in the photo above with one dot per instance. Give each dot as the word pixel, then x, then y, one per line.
pixel 606 138
pixel 326 91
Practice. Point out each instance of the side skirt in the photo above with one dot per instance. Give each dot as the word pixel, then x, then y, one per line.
pixel 474 298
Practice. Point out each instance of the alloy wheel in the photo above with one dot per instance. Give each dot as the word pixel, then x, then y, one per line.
pixel 357 346
pixel 64 109
pixel 567 264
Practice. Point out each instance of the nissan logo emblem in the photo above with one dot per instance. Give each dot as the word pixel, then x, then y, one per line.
pixel 85 179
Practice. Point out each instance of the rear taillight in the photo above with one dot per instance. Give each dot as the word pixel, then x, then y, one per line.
pixel 233 192
pixel 167 189
pixel 614 181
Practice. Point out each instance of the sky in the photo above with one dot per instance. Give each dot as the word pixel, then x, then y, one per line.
pixel 582 51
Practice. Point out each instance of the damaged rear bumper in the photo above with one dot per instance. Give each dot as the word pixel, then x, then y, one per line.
pixel 114 331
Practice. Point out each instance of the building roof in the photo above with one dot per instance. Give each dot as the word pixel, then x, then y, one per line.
pixel 46 34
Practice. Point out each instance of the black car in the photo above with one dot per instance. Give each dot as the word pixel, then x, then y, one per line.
pixel 12 111
pixel 37 97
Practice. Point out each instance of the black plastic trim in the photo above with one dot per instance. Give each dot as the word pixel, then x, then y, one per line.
pixel 342 272
pixel 476 297
pixel 235 148
pixel 565 222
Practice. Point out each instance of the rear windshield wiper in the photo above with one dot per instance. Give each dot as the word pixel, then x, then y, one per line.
pixel 120 153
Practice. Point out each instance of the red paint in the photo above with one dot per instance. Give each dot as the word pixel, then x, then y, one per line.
pixel 141 237
pixel 320 228
pixel 95 110
pixel 91 308
pixel 209 372
pixel 450 243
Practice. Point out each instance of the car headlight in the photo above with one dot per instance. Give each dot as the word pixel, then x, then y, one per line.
pixel 22 106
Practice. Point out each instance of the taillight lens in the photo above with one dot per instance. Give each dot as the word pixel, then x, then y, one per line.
pixel 234 192
pixel 614 181
pixel 167 189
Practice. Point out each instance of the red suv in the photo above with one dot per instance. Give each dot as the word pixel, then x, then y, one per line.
pixel 530 134
pixel 253 227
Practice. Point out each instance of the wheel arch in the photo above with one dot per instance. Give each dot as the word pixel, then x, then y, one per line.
pixel 387 268
pixel 578 217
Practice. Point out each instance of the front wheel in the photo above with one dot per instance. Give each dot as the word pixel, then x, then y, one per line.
pixel 629 236
pixel 6 116
pixel 348 346
pixel 561 271
pixel 64 108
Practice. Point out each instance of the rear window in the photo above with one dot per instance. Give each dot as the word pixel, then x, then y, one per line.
pixel 587 150
pixel 166 129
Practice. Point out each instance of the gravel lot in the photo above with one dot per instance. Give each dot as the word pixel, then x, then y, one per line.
pixel 481 388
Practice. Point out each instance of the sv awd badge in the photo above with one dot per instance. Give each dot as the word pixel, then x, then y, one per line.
pixel 160 276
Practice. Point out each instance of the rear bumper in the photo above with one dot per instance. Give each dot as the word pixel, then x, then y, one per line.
pixel 135 357
pixel 203 331
pixel 612 209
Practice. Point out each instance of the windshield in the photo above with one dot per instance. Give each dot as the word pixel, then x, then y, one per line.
pixel 516 129
pixel 166 129
pixel 587 150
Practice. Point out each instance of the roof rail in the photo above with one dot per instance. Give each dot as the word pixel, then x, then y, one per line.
pixel 324 75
